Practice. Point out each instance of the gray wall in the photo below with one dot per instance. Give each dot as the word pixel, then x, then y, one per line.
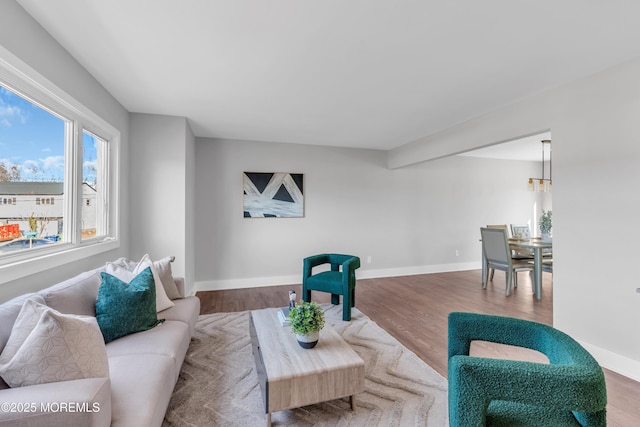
pixel 23 37
pixel 595 127
pixel 410 220
pixel 190 210
pixel 161 188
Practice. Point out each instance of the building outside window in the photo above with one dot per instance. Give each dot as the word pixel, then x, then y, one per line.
pixel 52 159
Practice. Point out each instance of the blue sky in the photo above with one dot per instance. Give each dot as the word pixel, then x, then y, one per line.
pixel 33 140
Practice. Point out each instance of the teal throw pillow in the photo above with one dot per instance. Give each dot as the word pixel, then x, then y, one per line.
pixel 124 308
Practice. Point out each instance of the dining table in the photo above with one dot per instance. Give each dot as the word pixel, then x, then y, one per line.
pixel 537 246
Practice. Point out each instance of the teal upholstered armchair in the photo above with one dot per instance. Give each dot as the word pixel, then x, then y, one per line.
pixel 340 280
pixel 569 391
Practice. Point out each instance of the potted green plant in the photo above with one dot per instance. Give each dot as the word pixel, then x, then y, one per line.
pixel 306 320
pixel 545 225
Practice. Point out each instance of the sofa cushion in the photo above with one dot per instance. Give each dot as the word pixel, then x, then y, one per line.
pixel 76 295
pixel 170 339
pixel 47 346
pixel 141 387
pixel 186 310
pixel 9 312
pixel 121 271
pixel 124 308
pixel 94 394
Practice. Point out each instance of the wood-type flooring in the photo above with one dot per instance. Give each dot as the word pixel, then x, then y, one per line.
pixel 414 310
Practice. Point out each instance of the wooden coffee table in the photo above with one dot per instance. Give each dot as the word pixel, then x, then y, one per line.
pixel 290 376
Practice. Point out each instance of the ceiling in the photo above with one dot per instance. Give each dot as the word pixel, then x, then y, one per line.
pixel 354 73
pixel 526 149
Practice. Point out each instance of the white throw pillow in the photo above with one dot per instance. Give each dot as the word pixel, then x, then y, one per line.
pixel 163 267
pixel 47 346
pixel 118 270
pixel 125 263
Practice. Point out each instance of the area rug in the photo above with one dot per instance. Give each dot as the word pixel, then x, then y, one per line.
pixel 218 385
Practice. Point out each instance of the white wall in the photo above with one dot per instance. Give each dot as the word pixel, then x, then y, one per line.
pixel 409 221
pixel 595 128
pixel 25 39
pixel 190 209
pixel 161 151
pixel 354 204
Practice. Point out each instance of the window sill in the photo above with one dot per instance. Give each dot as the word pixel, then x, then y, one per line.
pixel 37 263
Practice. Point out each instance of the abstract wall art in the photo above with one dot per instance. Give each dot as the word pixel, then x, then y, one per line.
pixel 273 194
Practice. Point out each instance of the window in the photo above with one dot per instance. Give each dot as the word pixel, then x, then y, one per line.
pixel 55 155
pixel 34 143
pixel 94 150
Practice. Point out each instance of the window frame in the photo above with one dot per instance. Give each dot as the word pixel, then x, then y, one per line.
pixel 102 191
pixel 21 78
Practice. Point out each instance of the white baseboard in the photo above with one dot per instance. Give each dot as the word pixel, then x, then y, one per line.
pixel 296 279
pixel 250 282
pixel 422 269
pixel 615 362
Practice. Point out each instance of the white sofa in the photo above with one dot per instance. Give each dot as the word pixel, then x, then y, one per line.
pixel 143 366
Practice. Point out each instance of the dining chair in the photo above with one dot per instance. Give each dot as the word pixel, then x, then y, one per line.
pixel 521 231
pixel 520 254
pixel 547 266
pixel 495 249
pixel 499 226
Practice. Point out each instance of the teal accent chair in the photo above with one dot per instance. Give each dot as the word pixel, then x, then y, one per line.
pixel 569 391
pixel 337 281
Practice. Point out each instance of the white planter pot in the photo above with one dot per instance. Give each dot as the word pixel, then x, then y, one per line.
pixel 309 340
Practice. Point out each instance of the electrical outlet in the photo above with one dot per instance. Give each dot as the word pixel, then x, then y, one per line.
pixel 457 252
pixel 369 259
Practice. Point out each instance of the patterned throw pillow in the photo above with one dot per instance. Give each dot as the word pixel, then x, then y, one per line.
pixel 47 346
pixel 124 308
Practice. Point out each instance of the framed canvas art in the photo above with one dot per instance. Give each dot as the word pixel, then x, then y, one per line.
pixel 273 194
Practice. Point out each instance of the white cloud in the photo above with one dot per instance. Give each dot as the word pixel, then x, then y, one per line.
pixel 49 168
pixel 41 169
pixel 31 167
pixel 9 114
pixel 53 162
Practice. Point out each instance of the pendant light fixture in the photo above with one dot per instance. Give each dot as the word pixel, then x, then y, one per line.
pixel 543 184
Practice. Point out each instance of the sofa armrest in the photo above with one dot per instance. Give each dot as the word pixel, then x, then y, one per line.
pixel 85 402
pixel 179 281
